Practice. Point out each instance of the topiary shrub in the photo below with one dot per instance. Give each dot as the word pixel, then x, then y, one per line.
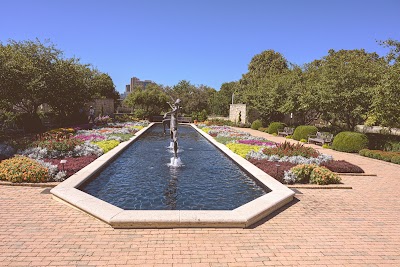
pixel 322 176
pixel 257 124
pixel 107 145
pixel 350 142
pixel 274 127
pixel 23 169
pixel 303 131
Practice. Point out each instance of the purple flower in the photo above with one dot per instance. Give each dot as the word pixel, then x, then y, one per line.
pixel 90 137
pixel 257 142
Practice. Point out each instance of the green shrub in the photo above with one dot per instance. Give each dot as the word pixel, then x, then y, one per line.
pixel 21 169
pixel 200 116
pixel 363 152
pixel 107 145
pixel 303 131
pixel 326 146
pixel 321 176
pixel 303 140
pixel 274 127
pixel 275 134
pixel 262 129
pixel 289 136
pixel 242 149
pixel 303 172
pixel 395 159
pixel 392 146
pixel 257 124
pixel 350 142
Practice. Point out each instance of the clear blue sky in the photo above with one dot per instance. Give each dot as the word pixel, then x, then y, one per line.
pixel 205 41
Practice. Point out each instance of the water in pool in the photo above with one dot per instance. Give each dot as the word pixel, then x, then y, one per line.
pixel 141 178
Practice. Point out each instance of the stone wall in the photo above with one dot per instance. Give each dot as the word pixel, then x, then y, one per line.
pixel 234 111
pixel 106 104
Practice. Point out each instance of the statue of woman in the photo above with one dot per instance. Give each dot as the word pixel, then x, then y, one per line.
pixel 173 126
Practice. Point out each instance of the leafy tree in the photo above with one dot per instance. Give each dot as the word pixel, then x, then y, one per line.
pixel 263 87
pixel 194 98
pixel 220 100
pixel 151 101
pixel 344 85
pixel 102 86
pixel 385 102
pixel 27 67
pixel 70 86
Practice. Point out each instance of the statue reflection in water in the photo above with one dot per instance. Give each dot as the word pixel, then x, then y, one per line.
pixel 171 191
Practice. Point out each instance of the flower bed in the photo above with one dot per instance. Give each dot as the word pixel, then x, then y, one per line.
pixel 79 146
pixel 278 159
pixel 342 166
pixel 72 165
pixel 23 169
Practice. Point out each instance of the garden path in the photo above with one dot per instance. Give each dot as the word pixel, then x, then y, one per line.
pixel 322 227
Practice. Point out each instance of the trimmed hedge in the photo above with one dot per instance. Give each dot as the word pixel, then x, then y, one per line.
pixel 350 142
pixel 393 157
pixel 275 126
pixel 303 131
pixel 257 124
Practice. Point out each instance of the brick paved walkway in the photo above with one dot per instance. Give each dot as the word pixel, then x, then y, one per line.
pixel 357 227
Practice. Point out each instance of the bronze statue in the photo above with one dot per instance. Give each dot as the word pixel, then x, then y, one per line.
pixel 173 125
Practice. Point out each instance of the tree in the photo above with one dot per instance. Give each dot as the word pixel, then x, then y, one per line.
pixel 194 98
pixel 262 88
pixel 102 86
pixel 149 102
pixel 27 70
pixel 385 102
pixel 70 87
pixel 220 100
pixel 344 85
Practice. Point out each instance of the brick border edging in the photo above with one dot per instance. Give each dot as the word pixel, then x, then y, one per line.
pixel 43 185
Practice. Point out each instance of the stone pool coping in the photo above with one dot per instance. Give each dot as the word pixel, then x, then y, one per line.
pixel 240 217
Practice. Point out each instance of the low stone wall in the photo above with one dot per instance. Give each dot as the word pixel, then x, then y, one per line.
pixel 377 130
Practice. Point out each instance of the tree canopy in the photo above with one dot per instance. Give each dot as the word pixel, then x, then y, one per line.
pixel 34 72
